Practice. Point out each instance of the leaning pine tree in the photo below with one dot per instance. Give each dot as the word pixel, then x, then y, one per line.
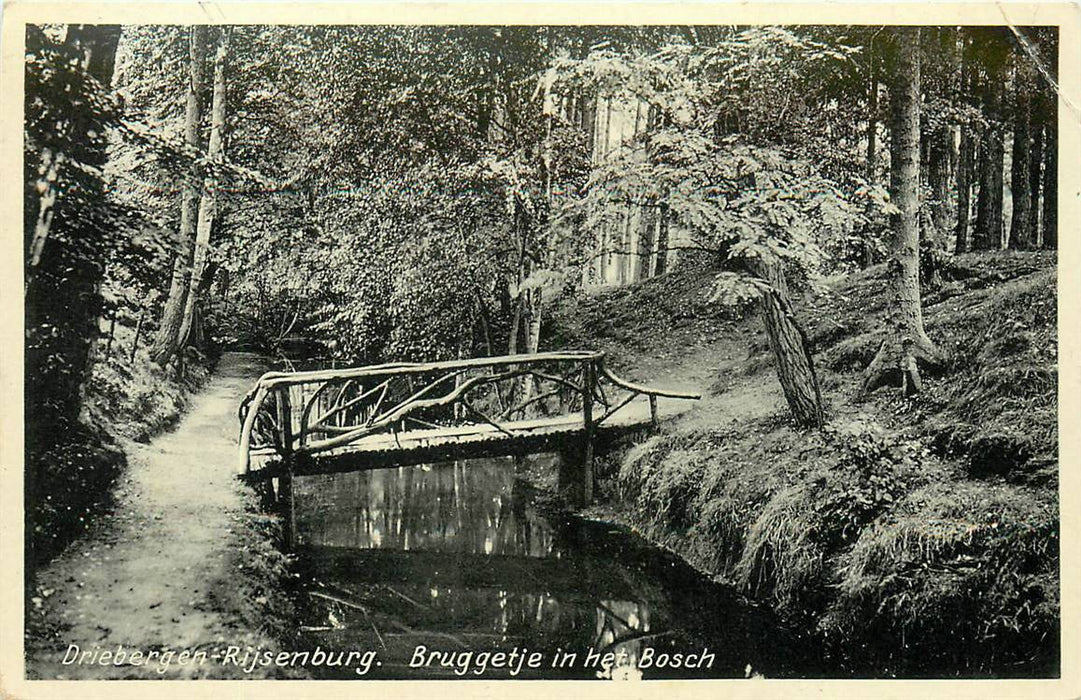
pixel 788 343
pixel 905 343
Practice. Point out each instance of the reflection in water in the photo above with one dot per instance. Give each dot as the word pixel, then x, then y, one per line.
pixel 462 507
pixel 459 557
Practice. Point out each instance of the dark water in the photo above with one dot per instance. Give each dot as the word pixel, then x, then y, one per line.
pixel 466 560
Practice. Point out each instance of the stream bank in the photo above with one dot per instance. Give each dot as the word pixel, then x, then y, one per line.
pixel 913 537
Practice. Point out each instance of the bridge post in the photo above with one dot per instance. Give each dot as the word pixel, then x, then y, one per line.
pixel 589 382
pixel 285 481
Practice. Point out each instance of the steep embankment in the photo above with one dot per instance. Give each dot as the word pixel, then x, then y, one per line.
pixel 915 536
pixel 183 562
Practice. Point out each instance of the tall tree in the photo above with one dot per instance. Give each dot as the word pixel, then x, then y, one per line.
pixel 1049 112
pixel 966 152
pixel 1021 224
pixel 942 155
pixel 660 264
pixel 905 341
pixel 993 50
pixel 789 345
pixel 871 158
pixel 1035 179
pixel 208 201
pixel 69 232
pixel 1050 187
pixel 168 338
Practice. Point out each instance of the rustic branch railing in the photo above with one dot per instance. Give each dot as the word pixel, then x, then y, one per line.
pixel 294 413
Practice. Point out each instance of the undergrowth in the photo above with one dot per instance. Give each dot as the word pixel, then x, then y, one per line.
pixel 262 596
pixel 958 561
pixel 73 479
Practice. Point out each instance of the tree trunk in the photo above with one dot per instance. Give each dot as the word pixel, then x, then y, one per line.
pixel 871 166
pixel 166 343
pixel 647 214
pixel 1035 178
pixel 940 181
pixel 989 223
pixel 905 340
pixel 1021 234
pixel 660 265
pixel 965 155
pixel 1050 187
pixel 788 342
pixel 533 328
pixel 942 155
pixel 606 232
pixel 647 226
pixel 628 248
pixel 1049 112
pixel 871 172
pixel 48 174
pixel 964 190
pixel 989 226
pixel 209 201
pixel 589 121
pixel 515 325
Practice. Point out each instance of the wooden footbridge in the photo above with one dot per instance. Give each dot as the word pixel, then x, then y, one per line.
pixel 298 423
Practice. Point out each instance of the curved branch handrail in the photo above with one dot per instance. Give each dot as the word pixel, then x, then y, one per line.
pixel 292 378
pixel 640 389
pixel 339 408
pixel 305 414
pixel 245 431
pixel 403 409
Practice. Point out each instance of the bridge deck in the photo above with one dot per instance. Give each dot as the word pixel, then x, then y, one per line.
pixel 473 440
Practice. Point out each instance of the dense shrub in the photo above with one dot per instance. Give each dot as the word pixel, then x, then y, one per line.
pixel 73 484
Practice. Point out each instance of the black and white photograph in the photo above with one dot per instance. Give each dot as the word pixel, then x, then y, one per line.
pixel 497 350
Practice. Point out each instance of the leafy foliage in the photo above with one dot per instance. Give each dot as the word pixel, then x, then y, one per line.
pixel 730 184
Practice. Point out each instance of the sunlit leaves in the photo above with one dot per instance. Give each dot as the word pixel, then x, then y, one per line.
pixel 736 290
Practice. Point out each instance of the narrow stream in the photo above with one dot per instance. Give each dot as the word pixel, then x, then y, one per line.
pixel 434 570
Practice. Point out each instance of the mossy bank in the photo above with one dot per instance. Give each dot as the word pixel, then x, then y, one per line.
pixel 913 536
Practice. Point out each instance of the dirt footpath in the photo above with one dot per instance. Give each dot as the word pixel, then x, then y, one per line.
pixel 157 575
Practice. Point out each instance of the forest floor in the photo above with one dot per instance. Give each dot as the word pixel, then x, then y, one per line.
pixel 182 562
pixel 914 536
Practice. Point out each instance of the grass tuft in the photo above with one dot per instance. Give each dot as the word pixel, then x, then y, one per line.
pixel 961 569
